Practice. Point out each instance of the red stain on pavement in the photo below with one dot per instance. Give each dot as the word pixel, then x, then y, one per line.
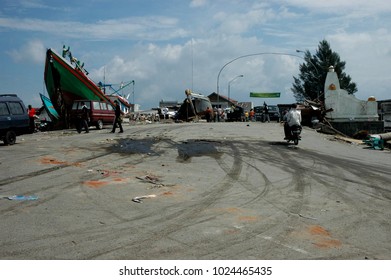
pixel 120 180
pixel 95 184
pixel 168 193
pixel 318 230
pixel 233 210
pixel 331 243
pixel 50 160
pixel 322 238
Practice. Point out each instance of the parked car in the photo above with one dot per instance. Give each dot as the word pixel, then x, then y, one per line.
pixel 100 113
pixel 274 113
pixel 14 119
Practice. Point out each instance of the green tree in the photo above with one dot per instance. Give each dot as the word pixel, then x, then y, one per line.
pixel 310 83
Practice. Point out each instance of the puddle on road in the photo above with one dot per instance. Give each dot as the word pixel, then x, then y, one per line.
pixel 135 146
pixel 197 148
pixel 186 149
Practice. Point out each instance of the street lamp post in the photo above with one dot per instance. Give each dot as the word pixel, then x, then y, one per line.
pixel 254 54
pixel 243 56
pixel 229 85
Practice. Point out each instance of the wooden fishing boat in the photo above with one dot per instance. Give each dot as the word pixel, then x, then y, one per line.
pixel 67 81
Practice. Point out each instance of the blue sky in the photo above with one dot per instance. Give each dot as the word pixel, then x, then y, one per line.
pixel 169 46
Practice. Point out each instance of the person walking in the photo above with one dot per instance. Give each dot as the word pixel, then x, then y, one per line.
pixel 208 114
pixel 252 115
pixel 265 113
pixel 118 118
pixel 84 118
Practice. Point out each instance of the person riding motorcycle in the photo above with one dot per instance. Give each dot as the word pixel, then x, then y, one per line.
pixel 291 118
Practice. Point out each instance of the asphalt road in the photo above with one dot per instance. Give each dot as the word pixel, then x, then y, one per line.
pixel 194 191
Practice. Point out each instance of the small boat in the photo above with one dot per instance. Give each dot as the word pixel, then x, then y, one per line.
pixel 67 81
pixel 194 107
pixel 48 105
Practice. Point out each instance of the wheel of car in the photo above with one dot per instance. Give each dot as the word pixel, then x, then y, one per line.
pixel 10 137
pixel 99 124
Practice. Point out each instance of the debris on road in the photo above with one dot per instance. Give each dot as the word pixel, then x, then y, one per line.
pixel 22 197
pixel 302 216
pixel 139 199
pixel 378 141
pixel 348 140
pixel 150 179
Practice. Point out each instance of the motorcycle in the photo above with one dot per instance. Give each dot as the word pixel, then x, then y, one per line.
pixel 294 134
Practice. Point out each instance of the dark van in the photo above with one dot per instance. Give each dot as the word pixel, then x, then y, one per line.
pixel 14 119
pixel 100 113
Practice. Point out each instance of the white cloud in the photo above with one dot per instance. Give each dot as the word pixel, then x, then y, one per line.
pixel 342 7
pixel 35 4
pixel 145 28
pixel 198 3
pixel 164 72
pixel 367 57
pixel 237 23
pixel 33 51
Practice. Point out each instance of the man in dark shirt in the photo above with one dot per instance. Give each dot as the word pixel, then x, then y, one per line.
pixel 118 119
pixel 84 118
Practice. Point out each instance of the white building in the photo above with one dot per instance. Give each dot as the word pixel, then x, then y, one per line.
pixel 346 107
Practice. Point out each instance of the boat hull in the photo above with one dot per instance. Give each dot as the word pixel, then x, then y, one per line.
pixel 66 83
pixel 47 103
pixel 196 109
